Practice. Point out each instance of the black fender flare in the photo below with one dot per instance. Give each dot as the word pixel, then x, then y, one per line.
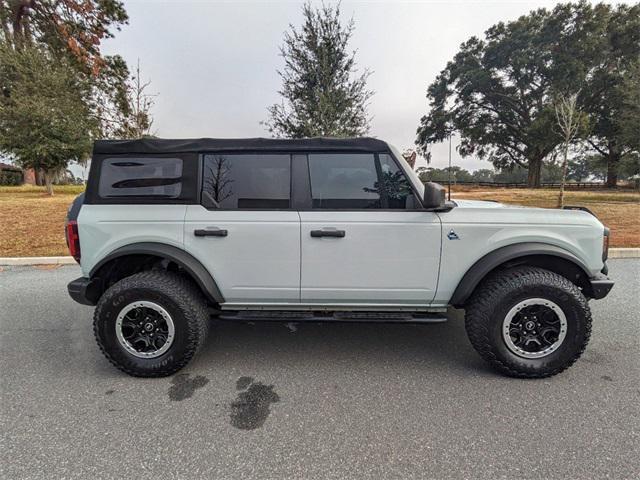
pixel 490 261
pixel 174 254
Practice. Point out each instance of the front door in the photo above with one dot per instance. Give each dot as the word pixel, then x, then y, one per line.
pixel 366 239
pixel 244 232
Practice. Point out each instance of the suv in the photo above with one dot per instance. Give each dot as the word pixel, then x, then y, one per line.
pixel 170 233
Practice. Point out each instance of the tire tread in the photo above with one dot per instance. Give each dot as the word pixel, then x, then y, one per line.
pixel 478 319
pixel 184 294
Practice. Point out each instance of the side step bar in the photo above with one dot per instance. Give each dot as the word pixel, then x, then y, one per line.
pixel 293 316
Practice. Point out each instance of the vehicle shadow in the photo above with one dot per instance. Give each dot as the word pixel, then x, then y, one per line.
pixel 442 345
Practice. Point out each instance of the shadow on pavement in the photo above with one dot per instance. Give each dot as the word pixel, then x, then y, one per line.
pixel 375 344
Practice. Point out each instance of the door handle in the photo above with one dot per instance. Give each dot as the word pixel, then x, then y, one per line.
pixel 210 232
pixel 328 233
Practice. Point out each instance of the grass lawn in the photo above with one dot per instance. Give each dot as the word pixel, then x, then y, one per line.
pixel 617 209
pixel 32 223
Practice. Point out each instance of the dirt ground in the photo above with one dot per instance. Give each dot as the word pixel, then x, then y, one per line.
pixel 617 209
pixel 32 223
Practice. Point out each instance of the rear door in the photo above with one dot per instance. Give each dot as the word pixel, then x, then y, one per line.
pixel 245 231
pixel 366 239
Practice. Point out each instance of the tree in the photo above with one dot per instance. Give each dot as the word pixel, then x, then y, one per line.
pixel 44 120
pixel 579 169
pixel 588 166
pixel 570 122
pixel 612 90
pixel 483 175
pixel 135 120
pixel 323 94
pixel 515 174
pixel 630 166
pixel 497 93
pixel 75 30
pixel 630 109
pixel 441 175
pixel 66 26
pixel 218 183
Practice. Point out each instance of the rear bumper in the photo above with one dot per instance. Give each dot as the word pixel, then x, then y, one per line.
pixel 600 286
pixel 83 290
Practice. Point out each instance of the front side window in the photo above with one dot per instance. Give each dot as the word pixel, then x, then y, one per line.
pixel 140 177
pixel 247 181
pixel 358 181
pixel 394 185
pixel 344 181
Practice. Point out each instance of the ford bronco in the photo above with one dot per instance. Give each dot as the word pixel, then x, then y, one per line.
pixel 172 233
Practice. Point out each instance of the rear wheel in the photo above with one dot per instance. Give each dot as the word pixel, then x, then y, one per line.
pixel 528 322
pixel 151 324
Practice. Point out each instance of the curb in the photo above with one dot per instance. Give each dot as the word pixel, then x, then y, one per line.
pixel 624 253
pixel 15 261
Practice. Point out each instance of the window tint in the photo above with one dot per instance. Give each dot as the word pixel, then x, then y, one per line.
pixel 141 177
pixel 358 181
pixel 340 180
pixel 247 181
pixel 395 185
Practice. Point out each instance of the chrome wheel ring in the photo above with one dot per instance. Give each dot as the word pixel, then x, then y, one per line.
pixel 145 329
pixel 534 328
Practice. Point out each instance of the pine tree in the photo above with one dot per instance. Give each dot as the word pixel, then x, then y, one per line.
pixel 323 93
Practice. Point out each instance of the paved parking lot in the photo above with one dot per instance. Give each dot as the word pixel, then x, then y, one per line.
pixel 310 400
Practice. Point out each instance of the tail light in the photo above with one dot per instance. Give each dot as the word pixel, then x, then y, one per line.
pixel 73 239
pixel 605 244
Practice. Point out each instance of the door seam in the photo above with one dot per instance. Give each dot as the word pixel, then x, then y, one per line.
pixel 300 257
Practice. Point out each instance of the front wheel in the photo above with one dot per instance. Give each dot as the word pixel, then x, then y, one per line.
pixel 528 322
pixel 151 324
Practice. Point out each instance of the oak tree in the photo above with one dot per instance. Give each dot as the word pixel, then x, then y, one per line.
pixel 45 122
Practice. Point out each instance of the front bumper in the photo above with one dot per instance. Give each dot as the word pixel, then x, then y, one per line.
pixel 83 290
pixel 600 286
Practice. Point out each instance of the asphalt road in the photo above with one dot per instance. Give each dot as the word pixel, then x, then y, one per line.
pixel 311 401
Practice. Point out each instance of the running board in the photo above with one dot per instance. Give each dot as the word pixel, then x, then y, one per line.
pixel 288 316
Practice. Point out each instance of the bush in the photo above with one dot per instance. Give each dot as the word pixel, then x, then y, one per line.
pixel 10 177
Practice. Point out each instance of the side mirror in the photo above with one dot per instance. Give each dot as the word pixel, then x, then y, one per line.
pixel 434 195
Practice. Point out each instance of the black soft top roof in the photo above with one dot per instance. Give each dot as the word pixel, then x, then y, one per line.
pixel 162 145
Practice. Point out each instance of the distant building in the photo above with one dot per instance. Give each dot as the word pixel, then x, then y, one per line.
pixel 10 174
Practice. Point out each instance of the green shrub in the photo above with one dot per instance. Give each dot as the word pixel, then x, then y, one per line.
pixel 10 177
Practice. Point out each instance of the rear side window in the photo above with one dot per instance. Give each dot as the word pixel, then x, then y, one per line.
pixel 247 181
pixel 141 177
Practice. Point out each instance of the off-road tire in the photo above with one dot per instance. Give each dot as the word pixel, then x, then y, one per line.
pixel 495 296
pixel 178 296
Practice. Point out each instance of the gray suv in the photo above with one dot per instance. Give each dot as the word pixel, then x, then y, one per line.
pixel 173 233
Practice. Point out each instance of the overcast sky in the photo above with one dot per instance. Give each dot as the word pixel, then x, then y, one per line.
pixel 214 64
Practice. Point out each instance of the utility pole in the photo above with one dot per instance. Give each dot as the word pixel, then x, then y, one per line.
pixel 449 187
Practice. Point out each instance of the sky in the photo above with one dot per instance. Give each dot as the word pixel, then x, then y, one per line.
pixel 213 64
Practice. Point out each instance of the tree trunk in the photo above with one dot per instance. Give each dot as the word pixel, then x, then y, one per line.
pixel 39 177
pixel 613 161
pixel 48 181
pixel 535 167
pixel 564 175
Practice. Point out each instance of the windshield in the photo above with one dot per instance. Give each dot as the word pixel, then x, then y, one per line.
pixel 411 175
